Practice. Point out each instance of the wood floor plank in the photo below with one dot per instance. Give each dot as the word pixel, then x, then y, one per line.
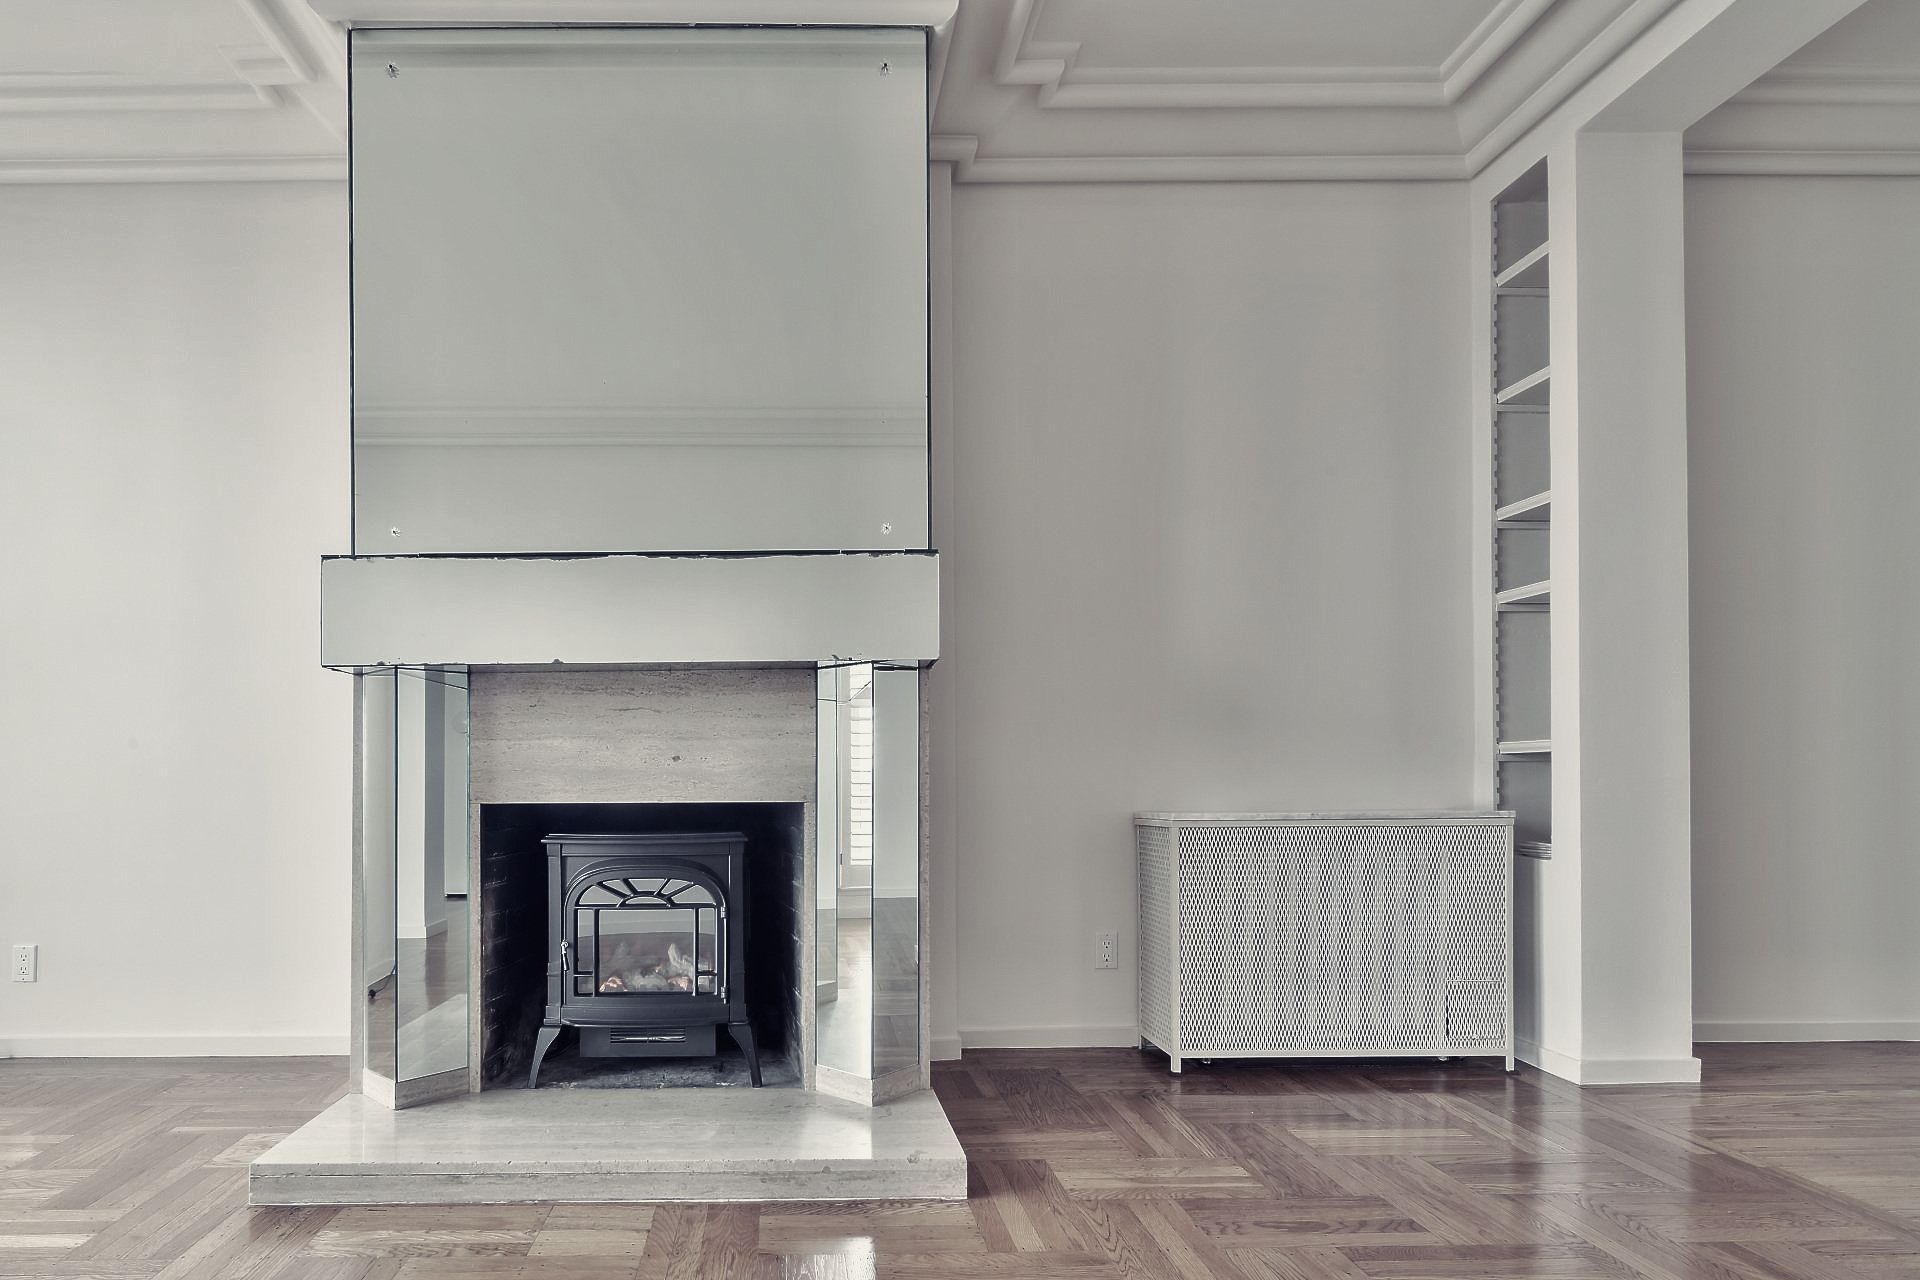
pixel 1787 1162
pixel 1305 1221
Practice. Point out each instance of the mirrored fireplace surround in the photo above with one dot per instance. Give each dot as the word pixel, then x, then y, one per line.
pixel 639 542
pixel 462 770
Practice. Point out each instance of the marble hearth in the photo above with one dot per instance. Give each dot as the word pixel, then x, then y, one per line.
pixel 626 748
pixel 580 1146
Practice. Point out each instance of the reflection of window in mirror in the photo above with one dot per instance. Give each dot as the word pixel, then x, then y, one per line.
pixel 856 869
pixel 710 331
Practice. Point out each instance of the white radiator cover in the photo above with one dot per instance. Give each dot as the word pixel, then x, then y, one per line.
pixel 1326 935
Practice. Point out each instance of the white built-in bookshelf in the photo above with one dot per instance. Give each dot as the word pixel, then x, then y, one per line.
pixel 1523 511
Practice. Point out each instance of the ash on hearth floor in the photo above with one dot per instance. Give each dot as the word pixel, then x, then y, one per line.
pixel 566 1069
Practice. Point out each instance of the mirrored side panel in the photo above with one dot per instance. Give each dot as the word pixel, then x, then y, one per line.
pixel 895 903
pixel 827 833
pixel 639 289
pixel 845 869
pixel 376 823
pixel 432 964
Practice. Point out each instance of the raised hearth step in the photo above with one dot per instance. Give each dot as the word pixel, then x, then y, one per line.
pixel 578 1145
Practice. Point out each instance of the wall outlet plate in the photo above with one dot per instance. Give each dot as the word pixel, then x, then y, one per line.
pixel 1106 950
pixel 26 962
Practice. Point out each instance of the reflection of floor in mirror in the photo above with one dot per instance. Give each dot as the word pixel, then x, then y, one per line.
pixel 427 994
pixel 841 1032
pixel 848 1023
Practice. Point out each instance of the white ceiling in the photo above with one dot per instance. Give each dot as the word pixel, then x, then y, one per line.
pixel 1030 89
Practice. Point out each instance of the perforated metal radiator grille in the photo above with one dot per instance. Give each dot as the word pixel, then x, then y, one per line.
pixel 1327 937
pixel 1154 847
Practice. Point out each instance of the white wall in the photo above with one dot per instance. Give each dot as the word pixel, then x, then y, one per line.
pixel 1211 489
pixel 174 766
pixel 1211 527
pixel 1804 405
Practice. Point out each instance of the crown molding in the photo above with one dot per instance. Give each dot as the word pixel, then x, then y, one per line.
pixel 1833 163
pixel 1051 69
pixel 324 168
pixel 1823 86
pixel 36 94
pixel 962 152
pixel 257 125
pixel 1518 66
pixel 1567 77
pixel 1813 120
pixel 282 114
pixel 471 13
pixel 1498 32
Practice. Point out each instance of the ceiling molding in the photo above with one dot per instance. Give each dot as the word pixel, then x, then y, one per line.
pixel 256 125
pixel 1814 120
pixel 279 114
pixel 1500 31
pixel 63 94
pixel 962 151
pixel 1832 163
pixel 1280 124
pixel 177 169
pixel 468 13
pixel 1834 87
pixel 1567 78
pixel 1051 68
pixel 309 55
pixel 952 148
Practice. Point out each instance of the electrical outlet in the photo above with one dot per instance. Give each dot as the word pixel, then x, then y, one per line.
pixel 26 962
pixel 1106 950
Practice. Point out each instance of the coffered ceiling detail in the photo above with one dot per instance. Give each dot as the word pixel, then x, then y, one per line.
pixel 103 90
pixel 1092 54
pixel 1026 90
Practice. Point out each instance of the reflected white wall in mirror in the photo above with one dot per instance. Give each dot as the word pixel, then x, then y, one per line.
pixel 639 290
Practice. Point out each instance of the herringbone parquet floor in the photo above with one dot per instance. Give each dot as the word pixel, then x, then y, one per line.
pixel 1792 1161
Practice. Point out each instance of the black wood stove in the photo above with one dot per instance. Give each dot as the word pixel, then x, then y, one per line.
pixel 646 945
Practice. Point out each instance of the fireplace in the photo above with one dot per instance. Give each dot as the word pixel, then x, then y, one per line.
pixel 530 855
pixel 646 945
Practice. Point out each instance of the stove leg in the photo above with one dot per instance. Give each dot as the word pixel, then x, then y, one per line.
pixel 540 1046
pixel 742 1033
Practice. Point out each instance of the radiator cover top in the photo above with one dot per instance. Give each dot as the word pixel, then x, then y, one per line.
pixel 1326 935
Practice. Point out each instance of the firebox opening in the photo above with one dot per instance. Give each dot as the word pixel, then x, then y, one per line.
pixel 513 944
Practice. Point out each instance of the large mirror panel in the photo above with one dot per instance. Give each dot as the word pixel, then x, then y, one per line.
pixel 639 290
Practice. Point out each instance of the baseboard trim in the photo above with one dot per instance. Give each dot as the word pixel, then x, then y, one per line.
pixel 196 1046
pixel 1087 1036
pixel 944 1048
pixel 1803 1032
pixel 1601 1071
